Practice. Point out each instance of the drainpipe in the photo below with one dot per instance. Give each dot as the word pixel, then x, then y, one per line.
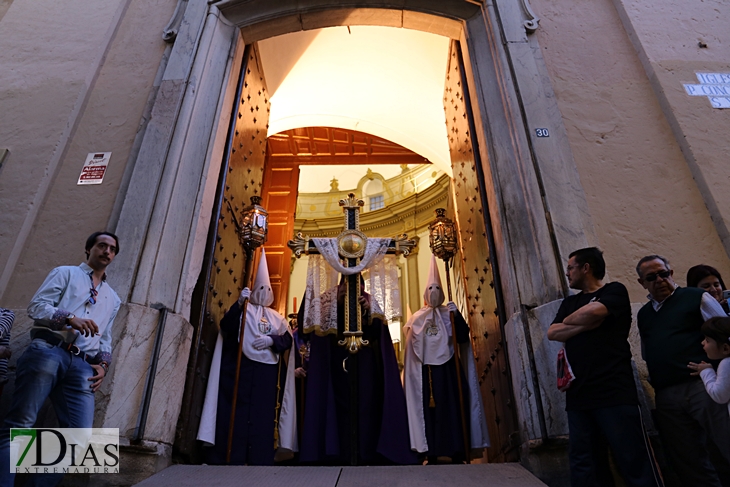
pixel 150 382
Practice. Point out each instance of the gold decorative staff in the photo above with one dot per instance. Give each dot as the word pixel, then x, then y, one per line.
pixel 252 232
pixel 443 243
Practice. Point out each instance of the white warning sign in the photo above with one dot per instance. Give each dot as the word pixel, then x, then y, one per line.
pixel 94 168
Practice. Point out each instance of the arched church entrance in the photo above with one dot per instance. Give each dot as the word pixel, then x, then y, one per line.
pixel 402 171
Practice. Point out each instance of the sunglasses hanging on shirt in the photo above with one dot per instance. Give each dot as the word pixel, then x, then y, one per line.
pixel 93 292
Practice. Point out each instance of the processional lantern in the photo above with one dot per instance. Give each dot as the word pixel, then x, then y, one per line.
pixel 254 224
pixel 442 236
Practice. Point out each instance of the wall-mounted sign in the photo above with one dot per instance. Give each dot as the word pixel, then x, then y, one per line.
pixel 715 86
pixel 94 168
pixel 542 132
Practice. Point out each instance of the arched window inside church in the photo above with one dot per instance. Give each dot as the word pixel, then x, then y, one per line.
pixel 376 202
pixel 373 191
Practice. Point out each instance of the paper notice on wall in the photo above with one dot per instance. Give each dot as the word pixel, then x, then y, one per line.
pixel 94 168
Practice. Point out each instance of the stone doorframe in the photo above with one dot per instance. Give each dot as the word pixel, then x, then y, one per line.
pixel 536 202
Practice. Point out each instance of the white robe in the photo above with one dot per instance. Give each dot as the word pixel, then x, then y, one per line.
pixel 287 413
pixel 423 347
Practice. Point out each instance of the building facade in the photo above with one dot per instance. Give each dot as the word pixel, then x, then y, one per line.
pixel 576 127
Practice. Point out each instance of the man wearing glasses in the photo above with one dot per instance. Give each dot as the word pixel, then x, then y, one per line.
pixel 602 403
pixel 689 421
pixel 71 346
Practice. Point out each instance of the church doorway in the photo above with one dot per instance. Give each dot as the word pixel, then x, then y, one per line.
pixel 406 149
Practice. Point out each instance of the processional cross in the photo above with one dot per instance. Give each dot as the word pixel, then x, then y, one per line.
pixel 351 244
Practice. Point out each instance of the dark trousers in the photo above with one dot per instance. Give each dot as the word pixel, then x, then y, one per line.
pixel 620 428
pixel 695 431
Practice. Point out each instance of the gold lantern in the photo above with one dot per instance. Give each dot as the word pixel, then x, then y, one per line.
pixel 254 224
pixel 442 236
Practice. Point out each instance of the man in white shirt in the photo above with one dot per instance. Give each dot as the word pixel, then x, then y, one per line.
pixel 70 351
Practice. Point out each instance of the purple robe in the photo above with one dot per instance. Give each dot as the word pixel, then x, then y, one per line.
pixel 253 430
pixel 383 418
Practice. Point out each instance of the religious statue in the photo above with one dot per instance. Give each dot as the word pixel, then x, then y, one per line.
pixel 381 409
pixel 265 408
pixel 355 410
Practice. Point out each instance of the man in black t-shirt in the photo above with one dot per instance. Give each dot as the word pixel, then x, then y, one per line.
pixel 602 402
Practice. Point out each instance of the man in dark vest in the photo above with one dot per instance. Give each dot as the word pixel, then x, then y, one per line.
pixel 695 430
pixel 602 403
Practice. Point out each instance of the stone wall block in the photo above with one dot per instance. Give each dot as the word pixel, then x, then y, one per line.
pixel 564 195
pixel 259 19
pixel 437 25
pixel 522 383
pixel 545 353
pixel 529 271
pixel 332 18
pixel 202 216
pixel 118 404
pixel 513 17
pixel 523 375
pixel 164 256
pixel 139 203
pixel 186 42
pixel 143 186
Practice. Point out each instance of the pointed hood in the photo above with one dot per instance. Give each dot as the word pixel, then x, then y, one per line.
pixel 261 292
pixel 433 296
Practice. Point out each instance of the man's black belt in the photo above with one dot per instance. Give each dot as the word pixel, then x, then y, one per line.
pixel 57 341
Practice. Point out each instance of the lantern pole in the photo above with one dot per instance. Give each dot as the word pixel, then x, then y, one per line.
pixel 443 243
pixel 252 233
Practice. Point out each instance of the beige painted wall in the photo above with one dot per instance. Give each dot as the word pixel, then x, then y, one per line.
pixel 79 86
pixel 639 187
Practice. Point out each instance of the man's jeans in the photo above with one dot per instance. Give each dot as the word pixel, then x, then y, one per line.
pixel 621 428
pixel 45 371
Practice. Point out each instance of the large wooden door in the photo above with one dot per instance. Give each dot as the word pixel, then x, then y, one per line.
pixel 475 268
pixel 289 150
pixel 279 197
pixel 222 276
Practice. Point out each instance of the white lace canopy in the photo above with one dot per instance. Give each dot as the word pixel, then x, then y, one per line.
pixel 381 281
pixel 375 249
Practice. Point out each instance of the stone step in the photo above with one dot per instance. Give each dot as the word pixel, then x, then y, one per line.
pixel 493 475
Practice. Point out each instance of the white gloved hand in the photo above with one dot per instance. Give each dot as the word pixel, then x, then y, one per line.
pixel 451 306
pixel 263 342
pixel 245 294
